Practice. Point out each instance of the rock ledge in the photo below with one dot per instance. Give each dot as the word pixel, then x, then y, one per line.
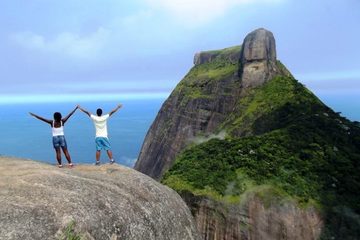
pixel 38 201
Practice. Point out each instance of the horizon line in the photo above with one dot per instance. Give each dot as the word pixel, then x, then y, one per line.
pixel 62 98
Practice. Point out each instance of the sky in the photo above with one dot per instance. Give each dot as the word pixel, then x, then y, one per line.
pixel 103 49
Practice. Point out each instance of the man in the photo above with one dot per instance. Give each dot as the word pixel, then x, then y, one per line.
pixel 101 139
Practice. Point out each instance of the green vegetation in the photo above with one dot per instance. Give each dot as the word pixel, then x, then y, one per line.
pixel 223 54
pixel 283 69
pixel 70 233
pixel 194 85
pixel 283 137
pixel 303 164
pixel 280 92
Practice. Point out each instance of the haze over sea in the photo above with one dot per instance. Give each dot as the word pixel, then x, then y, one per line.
pixel 26 137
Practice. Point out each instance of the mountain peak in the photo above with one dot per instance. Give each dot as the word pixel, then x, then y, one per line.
pixel 258 58
pixel 259 45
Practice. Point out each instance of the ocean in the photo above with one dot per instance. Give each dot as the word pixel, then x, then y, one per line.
pixel 26 137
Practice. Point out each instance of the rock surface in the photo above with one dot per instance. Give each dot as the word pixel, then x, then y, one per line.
pixel 39 201
pixel 258 58
pixel 181 119
pixel 259 45
pixel 252 219
pixel 178 123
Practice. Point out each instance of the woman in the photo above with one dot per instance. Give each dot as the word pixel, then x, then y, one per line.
pixel 59 141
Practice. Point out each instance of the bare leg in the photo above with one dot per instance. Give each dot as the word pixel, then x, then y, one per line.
pixel 58 155
pixel 67 155
pixel 98 156
pixel 109 153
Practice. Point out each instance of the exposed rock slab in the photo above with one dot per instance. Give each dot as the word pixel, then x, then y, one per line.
pixel 177 124
pixel 38 201
pixel 259 45
pixel 258 58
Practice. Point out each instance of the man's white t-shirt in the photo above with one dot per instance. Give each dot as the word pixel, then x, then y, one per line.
pixel 100 125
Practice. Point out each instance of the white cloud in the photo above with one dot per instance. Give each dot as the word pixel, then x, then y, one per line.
pixel 137 18
pixel 133 29
pixel 67 43
pixel 197 12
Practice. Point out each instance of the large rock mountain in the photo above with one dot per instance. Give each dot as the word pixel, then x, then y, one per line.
pixel 253 152
pixel 39 201
pixel 205 98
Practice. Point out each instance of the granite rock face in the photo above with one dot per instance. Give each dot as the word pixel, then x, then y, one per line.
pixel 259 45
pixel 201 102
pixel 39 201
pixel 253 219
pixel 180 120
pixel 258 58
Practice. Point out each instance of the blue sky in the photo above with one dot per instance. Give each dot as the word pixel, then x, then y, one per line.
pixel 99 49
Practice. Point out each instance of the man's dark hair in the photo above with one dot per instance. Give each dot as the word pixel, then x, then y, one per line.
pixel 57 117
pixel 99 112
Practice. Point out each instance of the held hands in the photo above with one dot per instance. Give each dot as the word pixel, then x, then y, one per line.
pixel 119 106
pixel 78 107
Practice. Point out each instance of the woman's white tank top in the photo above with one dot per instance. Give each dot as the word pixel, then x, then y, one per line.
pixel 57 131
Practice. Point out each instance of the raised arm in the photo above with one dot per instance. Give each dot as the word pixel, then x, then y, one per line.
pixel 84 111
pixel 117 108
pixel 69 115
pixel 41 118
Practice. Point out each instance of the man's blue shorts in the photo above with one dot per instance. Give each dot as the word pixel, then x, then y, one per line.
pixel 59 141
pixel 102 143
